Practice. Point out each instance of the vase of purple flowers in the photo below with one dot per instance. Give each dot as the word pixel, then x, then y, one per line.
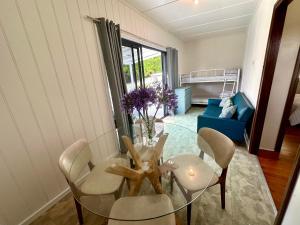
pixel 143 98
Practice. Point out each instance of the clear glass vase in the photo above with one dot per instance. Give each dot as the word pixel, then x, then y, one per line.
pixel 149 126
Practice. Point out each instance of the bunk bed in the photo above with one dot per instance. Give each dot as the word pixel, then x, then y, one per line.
pixel 211 83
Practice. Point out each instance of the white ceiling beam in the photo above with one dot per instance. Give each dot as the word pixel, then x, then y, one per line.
pixel 214 17
pixel 190 37
pixel 159 6
pixel 210 11
pixel 213 22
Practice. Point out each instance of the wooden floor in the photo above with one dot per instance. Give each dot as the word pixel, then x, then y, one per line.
pixel 64 213
pixel 277 171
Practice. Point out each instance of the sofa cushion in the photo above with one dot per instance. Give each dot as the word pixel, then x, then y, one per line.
pixel 214 101
pixel 244 108
pixel 225 102
pixel 212 110
pixel 228 112
pixel 244 114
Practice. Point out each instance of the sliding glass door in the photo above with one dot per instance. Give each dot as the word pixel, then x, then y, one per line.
pixel 132 66
pixel 142 67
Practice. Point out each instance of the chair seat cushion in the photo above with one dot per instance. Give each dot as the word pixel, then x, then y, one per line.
pixel 204 175
pixel 141 207
pixel 100 182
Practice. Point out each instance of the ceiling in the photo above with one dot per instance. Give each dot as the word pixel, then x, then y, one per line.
pixel 188 20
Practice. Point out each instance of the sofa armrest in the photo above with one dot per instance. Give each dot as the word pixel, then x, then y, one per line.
pixel 214 101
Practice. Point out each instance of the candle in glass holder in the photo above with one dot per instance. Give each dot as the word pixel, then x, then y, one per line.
pixel 191 172
pixel 145 166
pixel 170 162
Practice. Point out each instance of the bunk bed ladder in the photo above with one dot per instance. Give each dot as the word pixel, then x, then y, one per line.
pixel 228 89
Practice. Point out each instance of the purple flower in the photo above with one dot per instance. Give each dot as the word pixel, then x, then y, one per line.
pixel 140 99
pixel 166 97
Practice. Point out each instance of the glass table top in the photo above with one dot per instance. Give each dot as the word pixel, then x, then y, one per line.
pixel 181 141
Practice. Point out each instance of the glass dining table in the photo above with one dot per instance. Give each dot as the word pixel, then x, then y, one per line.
pixel 180 141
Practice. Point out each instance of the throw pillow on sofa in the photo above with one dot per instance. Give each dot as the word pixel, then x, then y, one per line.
pixel 225 103
pixel 228 112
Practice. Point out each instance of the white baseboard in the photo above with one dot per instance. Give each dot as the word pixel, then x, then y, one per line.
pixel 267 149
pixel 48 205
pixel 45 207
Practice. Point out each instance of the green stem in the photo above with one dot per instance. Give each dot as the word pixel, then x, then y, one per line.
pixel 156 110
pixel 141 115
pixel 146 112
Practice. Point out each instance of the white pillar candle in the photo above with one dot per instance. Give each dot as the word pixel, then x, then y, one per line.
pixel 191 172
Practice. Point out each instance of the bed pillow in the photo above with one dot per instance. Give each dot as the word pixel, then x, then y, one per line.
pixel 228 112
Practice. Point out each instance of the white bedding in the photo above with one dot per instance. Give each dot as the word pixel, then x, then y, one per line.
pixel 295 113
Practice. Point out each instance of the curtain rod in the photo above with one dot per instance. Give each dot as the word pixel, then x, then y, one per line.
pixel 91 18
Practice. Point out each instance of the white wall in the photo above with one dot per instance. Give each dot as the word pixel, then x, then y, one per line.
pixel 287 56
pixel 256 44
pixel 53 91
pixel 291 216
pixel 224 50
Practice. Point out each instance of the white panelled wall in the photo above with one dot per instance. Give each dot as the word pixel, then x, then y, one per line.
pixel 53 91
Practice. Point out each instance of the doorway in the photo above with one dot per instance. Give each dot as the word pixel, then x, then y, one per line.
pixel 290 122
pixel 279 64
pixel 271 56
pixel 143 66
pixel 287 143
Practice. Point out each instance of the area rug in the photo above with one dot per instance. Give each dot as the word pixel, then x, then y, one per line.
pixel 248 200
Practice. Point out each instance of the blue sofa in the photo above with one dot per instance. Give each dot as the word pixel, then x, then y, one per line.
pixel 234 127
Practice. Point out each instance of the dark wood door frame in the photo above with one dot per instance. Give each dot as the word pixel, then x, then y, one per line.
pixel 288 104
pixel 289 191
pixel 275 34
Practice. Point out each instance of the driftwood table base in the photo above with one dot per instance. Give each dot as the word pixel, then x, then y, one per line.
pixel 142 170
pixel 135 177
